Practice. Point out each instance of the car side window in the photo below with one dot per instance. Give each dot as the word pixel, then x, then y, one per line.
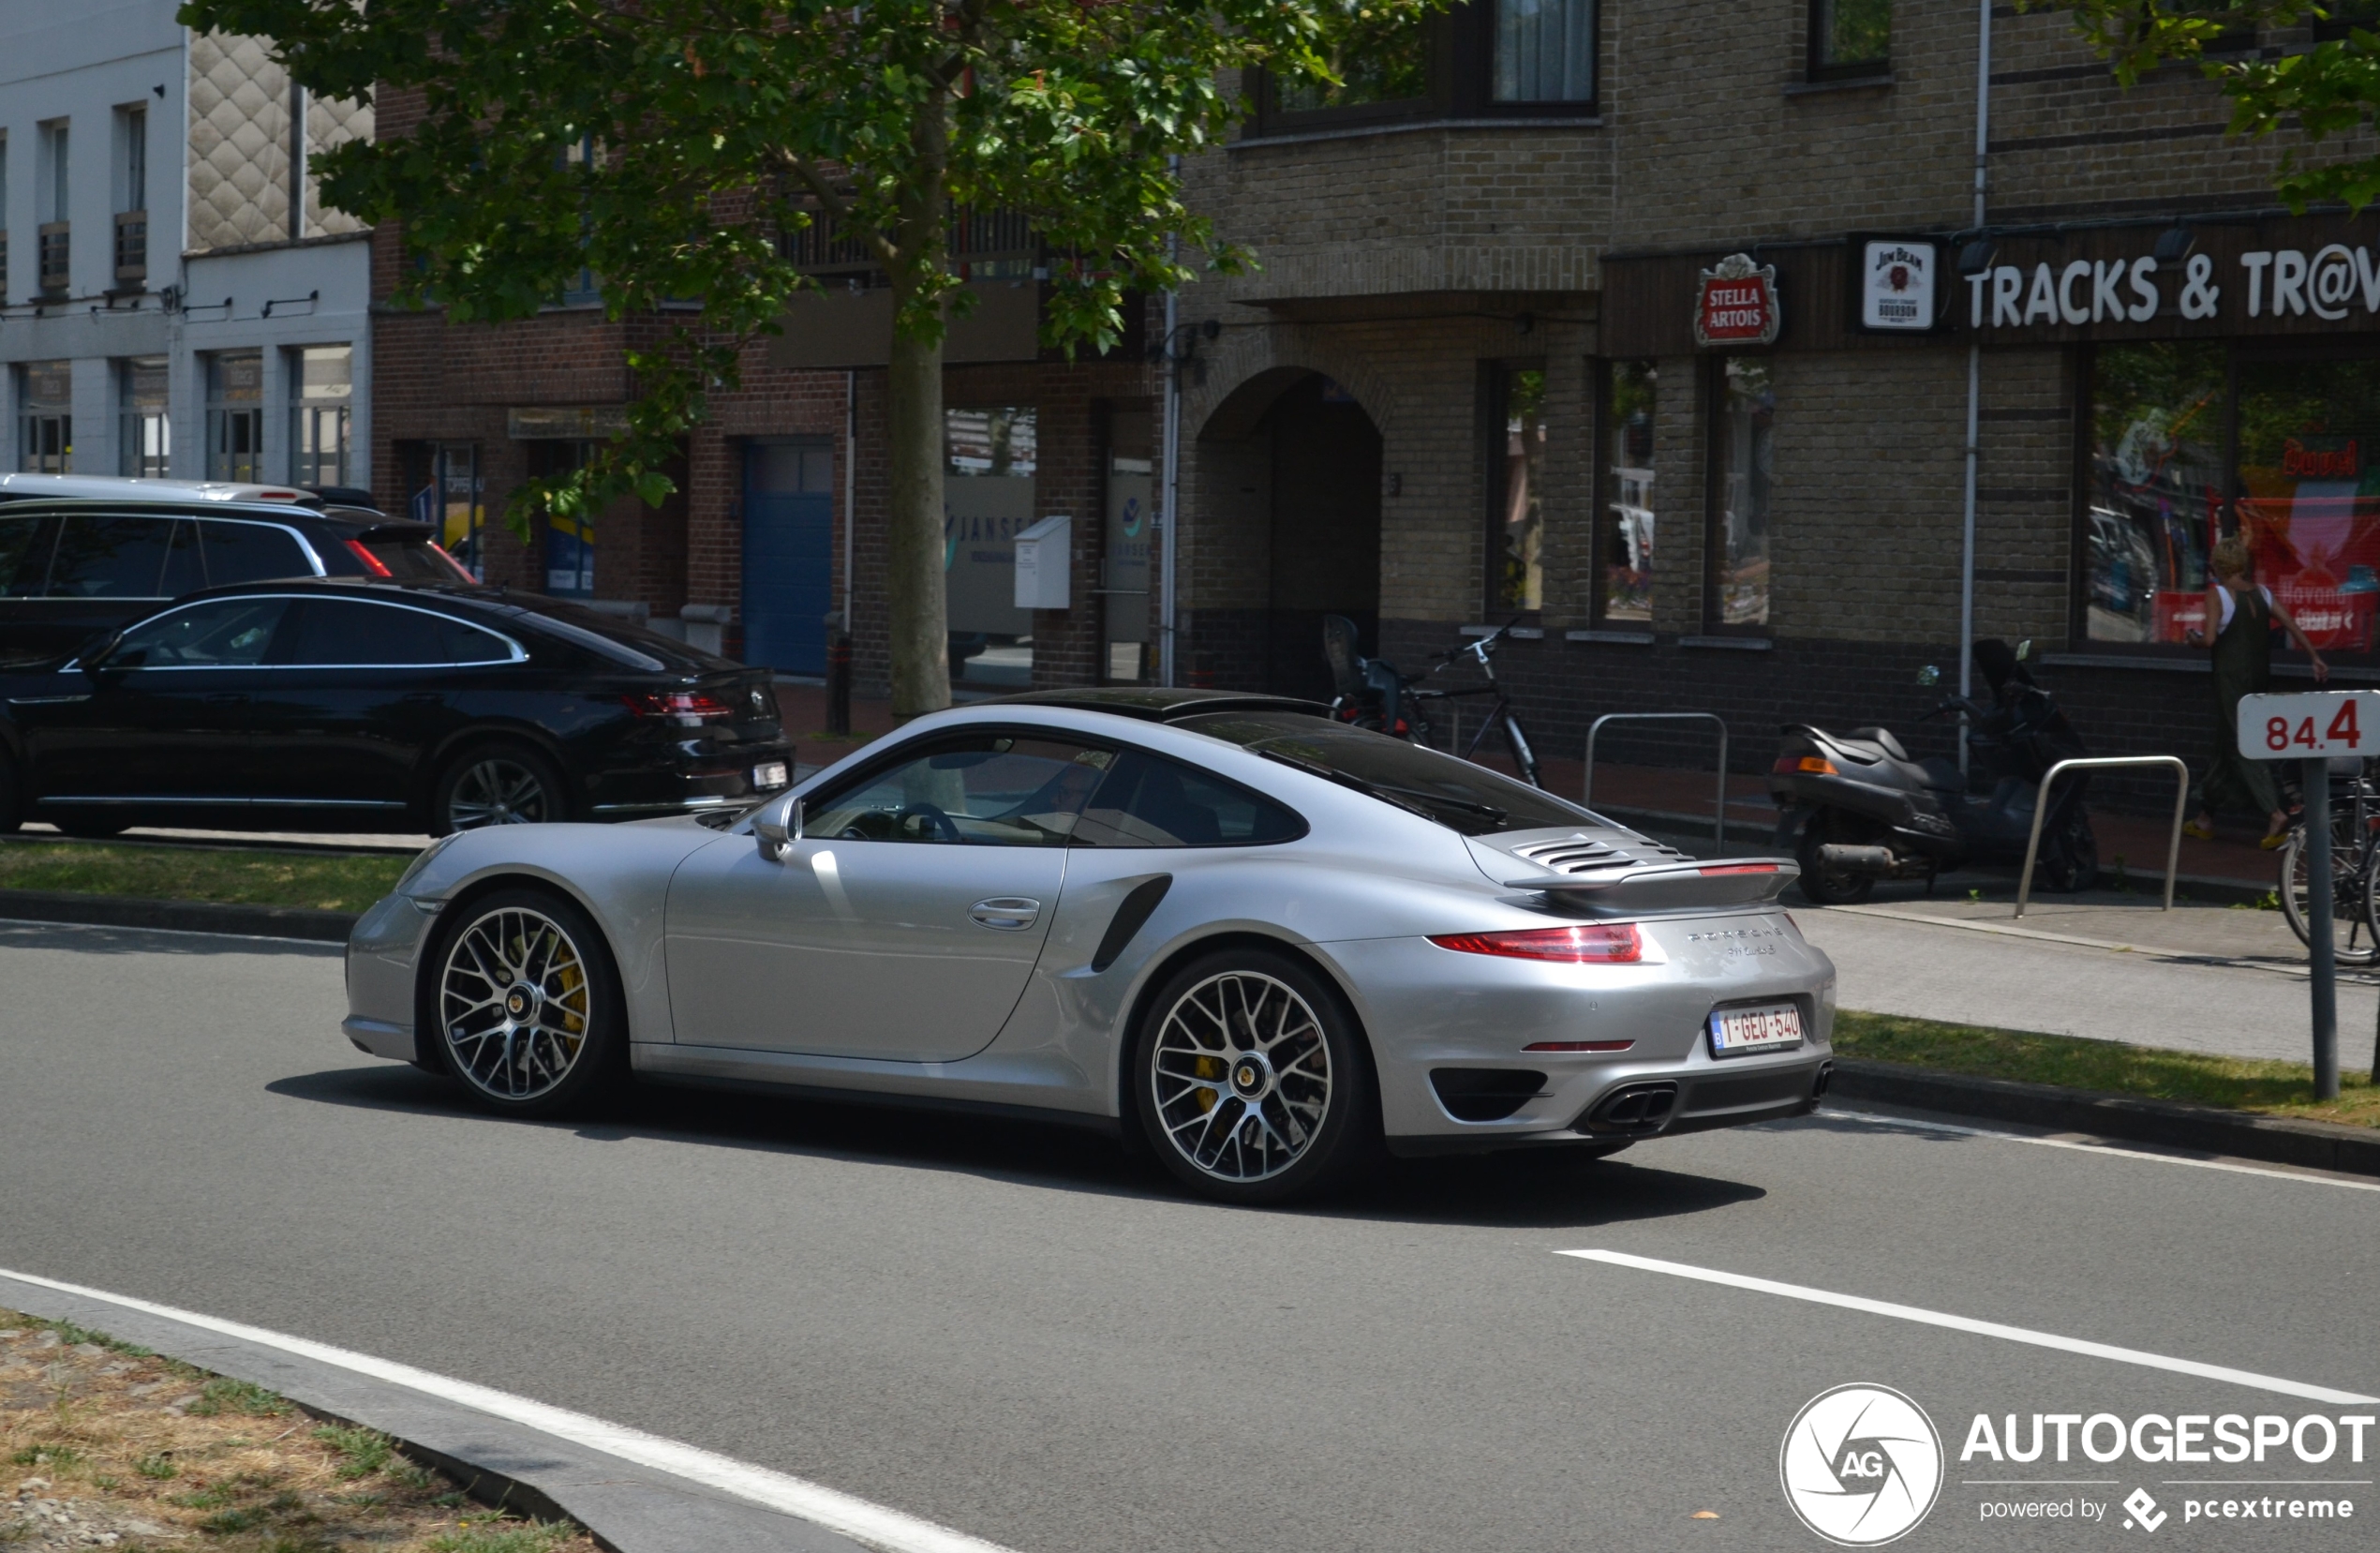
pixel 1148 800
pixel 354 633
pixel 25 545
pixel 185 568
pixel 250 552
pixel 101 556
pixel 218 633
pixel 972 789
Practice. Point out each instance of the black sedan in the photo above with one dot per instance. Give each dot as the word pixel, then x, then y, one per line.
pixel 364 704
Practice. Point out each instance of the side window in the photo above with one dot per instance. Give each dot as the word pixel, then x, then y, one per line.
pixel 218 633
pixel 978 789
pixel 344 632
pixel 25 543
pixel 185 569
pixel 250 552
pixel 101 557
pixel 1148 800
pixel 469 644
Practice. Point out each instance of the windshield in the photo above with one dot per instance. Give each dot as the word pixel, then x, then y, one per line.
pixel 1455 792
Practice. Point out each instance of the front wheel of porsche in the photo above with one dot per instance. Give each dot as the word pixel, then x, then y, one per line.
pixel 525 1004
pixel 1250 1080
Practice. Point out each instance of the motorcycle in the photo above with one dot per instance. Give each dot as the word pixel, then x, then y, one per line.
pixel 1854 808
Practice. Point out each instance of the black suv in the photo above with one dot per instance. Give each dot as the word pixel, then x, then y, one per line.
pixel 72 570
pixel 359 704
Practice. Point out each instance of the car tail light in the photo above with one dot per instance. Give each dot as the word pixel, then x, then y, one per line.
pixel 1578 1046
pixel 460 570
pixel 691 705
pixel 1581 944
pixel 372 563
pixel 1736 868
pixel 1808 764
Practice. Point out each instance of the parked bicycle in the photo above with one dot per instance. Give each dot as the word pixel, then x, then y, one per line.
pixel 1372 692
pixel 2353 806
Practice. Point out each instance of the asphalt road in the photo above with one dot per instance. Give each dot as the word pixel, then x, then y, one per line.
pixel 1016 1332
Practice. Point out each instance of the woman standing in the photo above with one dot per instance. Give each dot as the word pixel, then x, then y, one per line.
pixel 2244 614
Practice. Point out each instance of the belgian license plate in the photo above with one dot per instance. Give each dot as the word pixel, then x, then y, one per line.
pixel 1772 1027
pixel 769 774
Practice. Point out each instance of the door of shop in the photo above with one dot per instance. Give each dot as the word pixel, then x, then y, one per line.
pixel 789 569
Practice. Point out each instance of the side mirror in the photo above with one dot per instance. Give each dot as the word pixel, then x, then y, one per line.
pixel 2024 650
pixel 119 661
pixel 775 830
pixel 1930 676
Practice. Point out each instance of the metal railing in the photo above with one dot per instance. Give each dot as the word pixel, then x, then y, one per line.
pixel 2041 808
pixel 1719 821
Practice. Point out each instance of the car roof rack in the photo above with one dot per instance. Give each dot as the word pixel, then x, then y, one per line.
pixel 1158 703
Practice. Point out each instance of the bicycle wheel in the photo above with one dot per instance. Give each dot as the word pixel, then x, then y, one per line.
pixel 2352 939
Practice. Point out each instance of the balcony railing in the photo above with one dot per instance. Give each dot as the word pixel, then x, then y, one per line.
pixel 54 268
pixel 131 245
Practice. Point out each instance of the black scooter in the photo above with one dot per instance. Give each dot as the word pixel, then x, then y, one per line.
pixel 1856 808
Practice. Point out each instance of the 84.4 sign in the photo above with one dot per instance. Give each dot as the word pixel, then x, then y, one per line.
pixel 2310 725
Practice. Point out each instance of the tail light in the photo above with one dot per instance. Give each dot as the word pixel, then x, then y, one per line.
pixel 1580 944
pixel 372 563
pixel 686 706
pixel 1808 764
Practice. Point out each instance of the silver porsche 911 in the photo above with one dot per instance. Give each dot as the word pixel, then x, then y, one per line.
pixel 1258 939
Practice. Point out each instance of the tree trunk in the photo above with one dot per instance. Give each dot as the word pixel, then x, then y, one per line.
pixel 916 579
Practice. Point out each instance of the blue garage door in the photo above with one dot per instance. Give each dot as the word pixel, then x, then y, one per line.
pixel 789 536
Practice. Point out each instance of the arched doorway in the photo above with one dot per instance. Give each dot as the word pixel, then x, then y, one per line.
pixel 1289 517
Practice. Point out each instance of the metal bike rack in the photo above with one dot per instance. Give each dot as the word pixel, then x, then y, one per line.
pixel 2041 807
pixel 1719 822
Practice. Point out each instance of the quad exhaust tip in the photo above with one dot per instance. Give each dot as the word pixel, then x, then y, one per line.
pixel 1634 1107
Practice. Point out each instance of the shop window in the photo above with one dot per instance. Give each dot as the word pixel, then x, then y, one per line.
pixel 2158 416
pixel 442 480
pixel 321 414
pixel 990 457
pixel 1543 51
pixel 45 417
pixel 1849 39
pixel 1744 481
pixel 1517 544
pixel 1623 544
pixel 2309 491
pixel 145 434
pixel 235 416
pixel 570 540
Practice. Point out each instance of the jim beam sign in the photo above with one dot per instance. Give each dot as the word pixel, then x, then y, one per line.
pixel 1736 304
pixel 1896 284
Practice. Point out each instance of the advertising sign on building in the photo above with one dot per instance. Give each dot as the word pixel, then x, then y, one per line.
pixel 1896 288
pixel 1736 304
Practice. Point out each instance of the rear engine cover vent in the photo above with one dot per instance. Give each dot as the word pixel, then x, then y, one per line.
pixel 1584 854
pixel 1485 1094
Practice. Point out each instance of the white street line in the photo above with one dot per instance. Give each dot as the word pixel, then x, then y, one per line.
pixel 853 1517
pixel 1981 1329
pixel 1874 1119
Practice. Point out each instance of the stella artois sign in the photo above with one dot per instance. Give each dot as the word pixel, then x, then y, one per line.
pixel 1736 304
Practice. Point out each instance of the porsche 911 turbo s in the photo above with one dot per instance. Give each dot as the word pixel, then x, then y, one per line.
pixel 1257 939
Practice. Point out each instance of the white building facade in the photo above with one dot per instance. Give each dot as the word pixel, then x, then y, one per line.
pixel 173 298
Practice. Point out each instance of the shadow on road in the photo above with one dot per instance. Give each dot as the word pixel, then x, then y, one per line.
pixel 1521 1188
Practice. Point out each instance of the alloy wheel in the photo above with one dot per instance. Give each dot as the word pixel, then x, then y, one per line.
pixel 1242 1076
pixel 514 1004
pixel 496 791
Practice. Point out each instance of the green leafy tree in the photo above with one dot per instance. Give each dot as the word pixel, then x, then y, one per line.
pixel 669 147
pixel 2325 91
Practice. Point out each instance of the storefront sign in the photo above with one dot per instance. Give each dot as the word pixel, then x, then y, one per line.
pixel 588 423
pixel 2275 276
pixel 1736 304
pixel 1896 284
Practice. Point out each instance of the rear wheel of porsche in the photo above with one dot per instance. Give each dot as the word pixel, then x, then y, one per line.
pixel 1250 1079
pixel 526 1004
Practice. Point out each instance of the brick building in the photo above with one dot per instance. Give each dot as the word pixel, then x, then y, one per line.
pixel 1465 385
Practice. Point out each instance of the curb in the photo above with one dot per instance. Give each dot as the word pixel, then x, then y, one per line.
pixel 118 911
pixel 2206 1129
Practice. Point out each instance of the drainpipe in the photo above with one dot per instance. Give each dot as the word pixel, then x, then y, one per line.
pixel 1974 394
pixel 851 467
pixel 1166 549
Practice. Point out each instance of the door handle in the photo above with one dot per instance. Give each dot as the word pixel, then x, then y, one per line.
pixel 227 698
pixel 1006 912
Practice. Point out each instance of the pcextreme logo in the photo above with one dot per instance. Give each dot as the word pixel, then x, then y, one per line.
pixel 1861 1465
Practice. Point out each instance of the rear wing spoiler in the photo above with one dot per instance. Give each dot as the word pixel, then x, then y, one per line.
pixel 1670 886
